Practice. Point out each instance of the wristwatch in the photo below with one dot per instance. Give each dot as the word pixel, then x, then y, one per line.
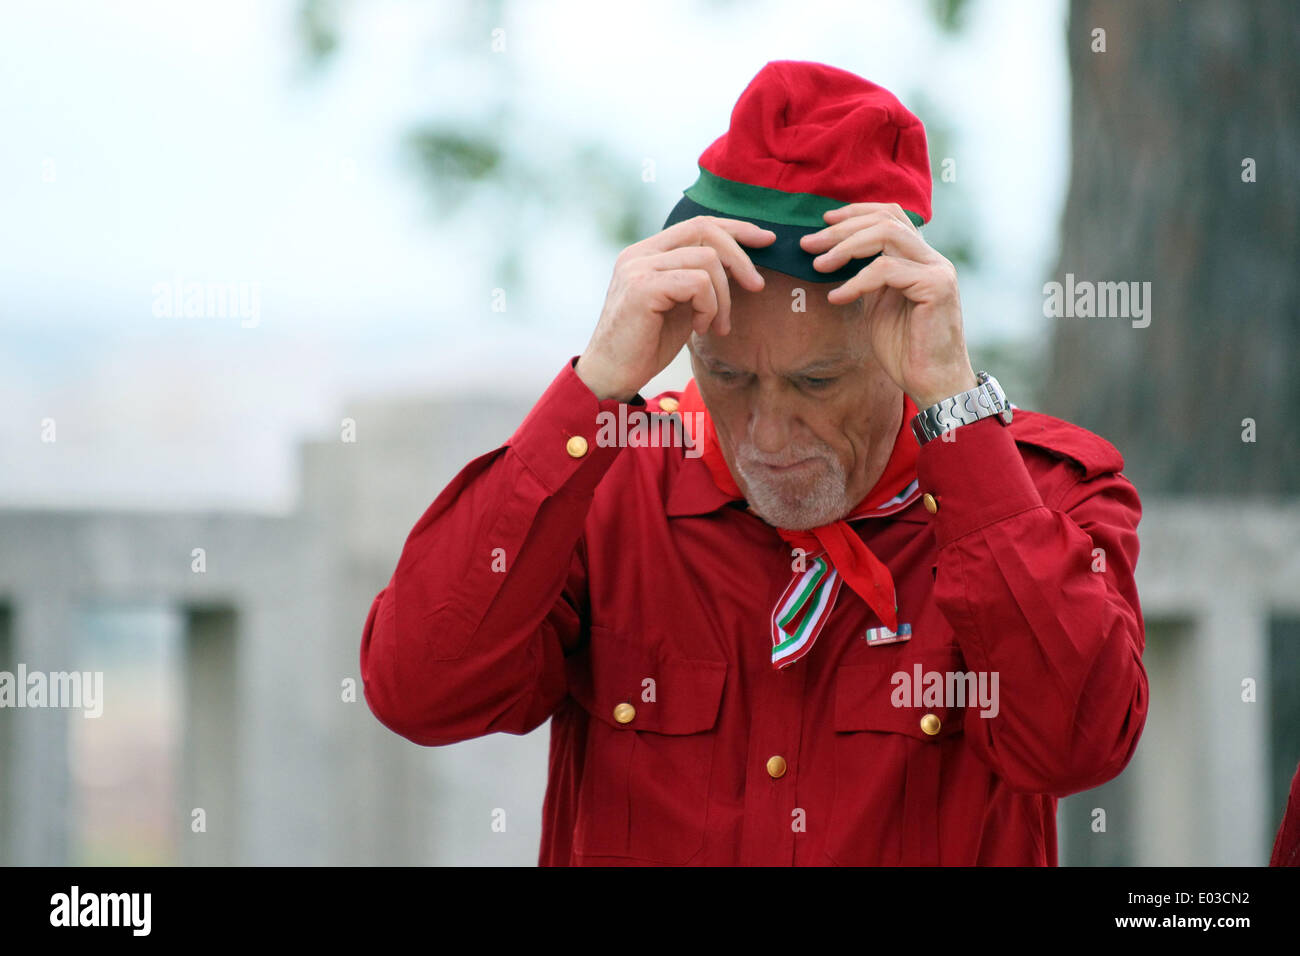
pixel 982 401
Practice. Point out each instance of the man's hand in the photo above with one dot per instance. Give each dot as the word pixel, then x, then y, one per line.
pixel 915 321
pixel 663 288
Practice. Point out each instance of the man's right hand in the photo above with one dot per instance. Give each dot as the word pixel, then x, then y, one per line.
pixel 663 288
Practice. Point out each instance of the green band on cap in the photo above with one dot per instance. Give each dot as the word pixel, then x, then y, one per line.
pixel 759 202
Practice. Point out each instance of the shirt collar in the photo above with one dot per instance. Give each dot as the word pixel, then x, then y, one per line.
pixel 692 490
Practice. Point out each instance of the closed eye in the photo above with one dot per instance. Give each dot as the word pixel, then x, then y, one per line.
pixel 816 382
pixel 725 375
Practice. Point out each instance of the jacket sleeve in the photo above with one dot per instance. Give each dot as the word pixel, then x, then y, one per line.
pixel 1042 594
pixel 489 594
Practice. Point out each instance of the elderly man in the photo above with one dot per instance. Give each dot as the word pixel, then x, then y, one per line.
pixel 863 612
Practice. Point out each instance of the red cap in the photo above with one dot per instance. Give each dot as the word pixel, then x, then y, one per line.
pixel 804 138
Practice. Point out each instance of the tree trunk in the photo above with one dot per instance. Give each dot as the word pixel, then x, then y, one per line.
pixel 1161 125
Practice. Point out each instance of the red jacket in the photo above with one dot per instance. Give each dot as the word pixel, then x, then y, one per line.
pixel 1286 845
pixel 626 598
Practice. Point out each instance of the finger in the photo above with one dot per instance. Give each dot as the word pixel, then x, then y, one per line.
pixel 859 208
pixel 749 233
pixel 689 231
pixel 823 240
pixel 906 276
pixel 725 235
pixel 708 259
pixel 888 236
pixel 696 287
pixel 734 258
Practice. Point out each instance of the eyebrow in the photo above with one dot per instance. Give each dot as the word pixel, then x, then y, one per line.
pixel 822 365
pixel 828 363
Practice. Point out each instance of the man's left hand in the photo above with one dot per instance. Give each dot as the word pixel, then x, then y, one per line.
pixel 915 320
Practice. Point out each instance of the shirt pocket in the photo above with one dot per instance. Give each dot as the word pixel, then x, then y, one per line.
pixel 648 761
pixel 888 755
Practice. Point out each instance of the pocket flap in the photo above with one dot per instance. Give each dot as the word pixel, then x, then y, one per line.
pixel 665 695
pixel 871 697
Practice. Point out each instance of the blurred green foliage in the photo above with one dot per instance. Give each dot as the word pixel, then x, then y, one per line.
pixel 461 161
pixel 452 154
pixel 950 14
pixel 318 26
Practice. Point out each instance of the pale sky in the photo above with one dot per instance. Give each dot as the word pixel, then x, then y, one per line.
pixel 163 142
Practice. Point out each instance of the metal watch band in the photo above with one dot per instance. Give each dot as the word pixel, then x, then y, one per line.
pixel 982 401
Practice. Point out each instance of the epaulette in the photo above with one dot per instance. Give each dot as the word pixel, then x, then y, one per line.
pixel 1091 452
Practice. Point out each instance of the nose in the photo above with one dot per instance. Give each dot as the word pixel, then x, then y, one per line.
pixel 771 422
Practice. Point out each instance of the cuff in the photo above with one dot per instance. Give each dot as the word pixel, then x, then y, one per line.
pixel 976 479
pixel 557 441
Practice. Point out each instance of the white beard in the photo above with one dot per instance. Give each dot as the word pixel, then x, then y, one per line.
pixel 797 502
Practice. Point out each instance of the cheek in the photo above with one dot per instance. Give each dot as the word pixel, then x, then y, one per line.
pixel 844 440
pixel 833 421
pixel 849 431
pixel 846 450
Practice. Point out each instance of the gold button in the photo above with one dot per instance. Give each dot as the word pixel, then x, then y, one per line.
pixel 776 766
pixel 931 505
pixel 624 713
pixel 930 724
pixel 668 404
pixel 576 446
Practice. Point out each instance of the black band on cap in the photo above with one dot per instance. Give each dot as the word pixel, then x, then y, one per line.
pixel 784 255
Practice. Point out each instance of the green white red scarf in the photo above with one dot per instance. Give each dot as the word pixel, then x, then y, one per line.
pixel 833 554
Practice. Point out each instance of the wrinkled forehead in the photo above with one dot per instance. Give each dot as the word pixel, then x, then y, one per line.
pixel 787 325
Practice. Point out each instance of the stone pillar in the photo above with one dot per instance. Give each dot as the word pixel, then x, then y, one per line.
pixel 42 825
pixel 209 748
pixel 1231 645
